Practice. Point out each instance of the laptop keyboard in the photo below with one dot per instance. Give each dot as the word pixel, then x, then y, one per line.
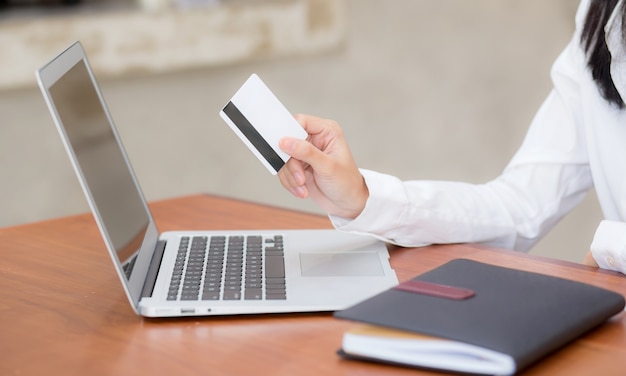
pixel 229 268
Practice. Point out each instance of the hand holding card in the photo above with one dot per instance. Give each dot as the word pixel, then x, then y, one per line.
pixel 260 120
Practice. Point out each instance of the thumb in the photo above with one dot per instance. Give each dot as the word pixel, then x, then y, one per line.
pixel 302 150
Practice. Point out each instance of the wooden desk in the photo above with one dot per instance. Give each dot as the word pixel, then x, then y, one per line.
pixel 63 311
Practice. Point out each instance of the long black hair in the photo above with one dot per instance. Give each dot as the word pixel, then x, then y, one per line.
pixel 594 44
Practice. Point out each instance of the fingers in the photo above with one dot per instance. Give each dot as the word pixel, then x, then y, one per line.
pixel 311 124
pixel 316 149
pixel 303 153
pixel 321 166
pixel 300 149
pixel 291 176
pixel 589 260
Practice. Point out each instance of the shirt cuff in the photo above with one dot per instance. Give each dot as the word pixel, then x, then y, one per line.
pixel 382 211
pixel 609 246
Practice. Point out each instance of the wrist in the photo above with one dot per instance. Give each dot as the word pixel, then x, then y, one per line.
pixel 358 200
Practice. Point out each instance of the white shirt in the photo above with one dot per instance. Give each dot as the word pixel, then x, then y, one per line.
pixel 576 141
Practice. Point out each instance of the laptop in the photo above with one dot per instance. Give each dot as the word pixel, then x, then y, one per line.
pixel 198 273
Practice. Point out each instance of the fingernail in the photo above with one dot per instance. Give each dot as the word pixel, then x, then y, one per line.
pixel 301 191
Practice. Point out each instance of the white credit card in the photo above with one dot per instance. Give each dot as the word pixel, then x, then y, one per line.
pixel 260 120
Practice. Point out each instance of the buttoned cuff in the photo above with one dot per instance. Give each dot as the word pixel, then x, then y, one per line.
pixel 609 246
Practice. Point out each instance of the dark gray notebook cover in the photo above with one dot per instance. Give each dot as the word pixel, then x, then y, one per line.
pixel 522 314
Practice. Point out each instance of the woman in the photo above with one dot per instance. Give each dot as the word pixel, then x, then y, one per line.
pixel 576 141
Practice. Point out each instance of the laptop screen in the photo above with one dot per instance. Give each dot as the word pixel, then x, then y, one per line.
pixel 115 195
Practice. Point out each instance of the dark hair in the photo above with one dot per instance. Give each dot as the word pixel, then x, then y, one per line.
pixel 594 44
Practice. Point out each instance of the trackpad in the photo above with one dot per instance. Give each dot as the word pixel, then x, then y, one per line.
pixel 341 264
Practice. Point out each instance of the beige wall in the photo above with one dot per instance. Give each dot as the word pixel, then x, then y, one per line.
pixel 424 89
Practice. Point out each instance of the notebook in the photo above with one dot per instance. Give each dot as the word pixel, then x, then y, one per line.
pixel 188 273
pixel 475 318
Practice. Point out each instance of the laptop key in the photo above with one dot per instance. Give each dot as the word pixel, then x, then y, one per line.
pixel 212 295
pixel 275 267
pixel 232 295
pixel 275 283
pixel 253 294
pixel 276 295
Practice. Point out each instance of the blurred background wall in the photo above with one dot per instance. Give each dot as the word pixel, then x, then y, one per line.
pixel 424 89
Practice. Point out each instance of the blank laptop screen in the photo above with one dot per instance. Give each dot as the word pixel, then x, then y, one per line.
pixel 103 165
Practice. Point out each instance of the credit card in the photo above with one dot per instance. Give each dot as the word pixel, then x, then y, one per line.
pixel 260 120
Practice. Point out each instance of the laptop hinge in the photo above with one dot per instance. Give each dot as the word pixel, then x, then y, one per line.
pixel 153 270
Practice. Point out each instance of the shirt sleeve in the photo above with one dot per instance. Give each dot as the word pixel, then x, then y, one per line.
pixel 609 246
pixel 513 211
pixel 418 213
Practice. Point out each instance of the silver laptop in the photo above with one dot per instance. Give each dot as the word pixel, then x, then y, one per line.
pixel 188 273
